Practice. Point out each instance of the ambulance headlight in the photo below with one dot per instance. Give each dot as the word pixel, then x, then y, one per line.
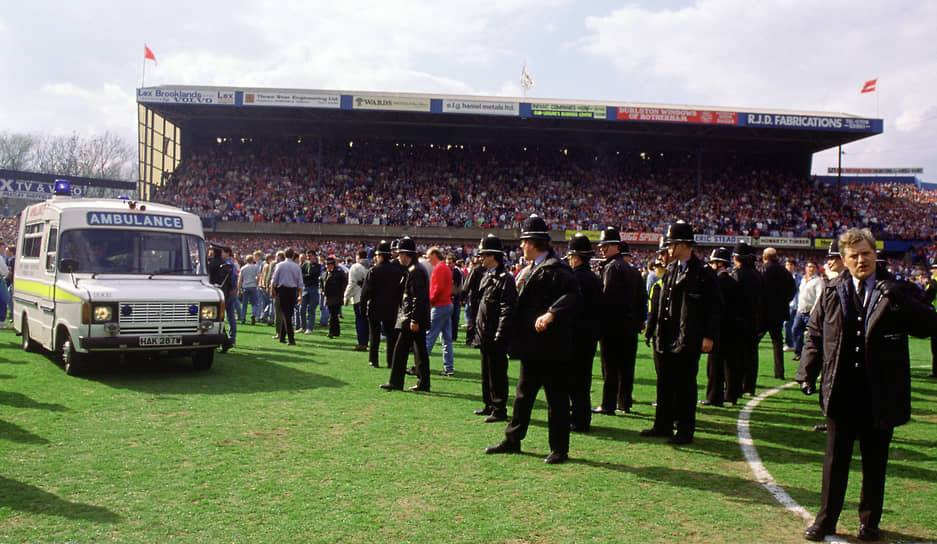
pixel 103 313
pixel 209 312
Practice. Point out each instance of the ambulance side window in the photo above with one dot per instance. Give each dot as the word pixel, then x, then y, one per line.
pixel 51 249
pixel 32 240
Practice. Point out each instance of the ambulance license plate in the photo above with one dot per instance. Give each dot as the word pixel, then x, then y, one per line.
pixel 160 340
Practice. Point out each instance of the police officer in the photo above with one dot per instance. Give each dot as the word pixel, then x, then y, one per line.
pixel 750 325
pixel 380 298
pixel 470 296
pixel 624 302
pixel 548 303
pixel 585 332
pixel 412 320
pixel 221 274
pixel 492 332
pixel 721 364
pixel 687 324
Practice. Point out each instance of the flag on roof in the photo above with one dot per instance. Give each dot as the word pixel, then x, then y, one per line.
pixel 869 86
pixel 148 54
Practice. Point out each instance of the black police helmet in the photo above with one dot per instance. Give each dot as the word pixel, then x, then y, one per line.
pixel 720 254
pixel 833 252
pixel 491 244
pixel 679 232
pixel 742 249
pixel 609 236
pixel 383 248
pixel 407 245
pixel 579 245
pixel 535 227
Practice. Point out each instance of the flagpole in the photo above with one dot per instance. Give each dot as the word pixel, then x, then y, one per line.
pixel 143 78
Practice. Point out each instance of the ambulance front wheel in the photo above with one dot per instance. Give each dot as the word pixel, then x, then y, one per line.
pixel 73 361
pixel 202 359
pixel 29 344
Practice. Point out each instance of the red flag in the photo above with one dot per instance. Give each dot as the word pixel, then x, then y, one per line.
pixel 147 54
pixel 869 86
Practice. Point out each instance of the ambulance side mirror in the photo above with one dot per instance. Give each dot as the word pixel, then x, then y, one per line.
pixel 67 266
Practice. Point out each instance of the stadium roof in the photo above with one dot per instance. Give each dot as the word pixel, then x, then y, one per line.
pixel 257 112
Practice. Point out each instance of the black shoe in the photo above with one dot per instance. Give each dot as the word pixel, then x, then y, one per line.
pixel 253 320
pixel 282 341
pixel 418 388
pixel 226 347
pixel 821 428
pixel 375 365
pixel 411 371
pixel 868 533
pixel 680 439
pixel 449 373
pixel 816 533
pixel 600 410
pixel 292 342
pixel 655 432
pixel 486 411
pixel 505 446
pixel 555 458
pixel 795 358
pixel 391 387
pixel 496 417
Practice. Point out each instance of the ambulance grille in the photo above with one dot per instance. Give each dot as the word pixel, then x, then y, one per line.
pixel 135 314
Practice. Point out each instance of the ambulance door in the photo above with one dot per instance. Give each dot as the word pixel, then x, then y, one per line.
pixel 43 333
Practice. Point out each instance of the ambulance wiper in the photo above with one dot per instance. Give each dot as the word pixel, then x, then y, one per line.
pixel 176 271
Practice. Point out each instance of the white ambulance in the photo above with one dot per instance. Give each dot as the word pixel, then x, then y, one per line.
pixel 112 275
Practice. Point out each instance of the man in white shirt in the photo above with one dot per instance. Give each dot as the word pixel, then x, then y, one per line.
pixel 810 288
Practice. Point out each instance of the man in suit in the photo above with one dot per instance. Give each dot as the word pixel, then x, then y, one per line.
pixel 779 289
pixel 722 362
pixel 547 305
pixel 687 323
pixel 333 285
pixel 380 298
pixel 857 339
pixel 412 321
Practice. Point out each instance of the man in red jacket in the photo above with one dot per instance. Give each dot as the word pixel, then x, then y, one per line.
pixel 440 299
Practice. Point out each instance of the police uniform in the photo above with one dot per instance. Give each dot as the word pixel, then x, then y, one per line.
pixel 492 331
pixel 722 383
pixel 545 286
pixel 689 312
pixel 623 305
pixel 380 297
pixel 414 308
pixel 585 334
pixel 750 324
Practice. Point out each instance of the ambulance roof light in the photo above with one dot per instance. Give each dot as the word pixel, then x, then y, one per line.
pixel 63 187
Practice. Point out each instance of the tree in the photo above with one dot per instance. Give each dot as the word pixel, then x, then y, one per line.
pixel 100 156
pixel 16 150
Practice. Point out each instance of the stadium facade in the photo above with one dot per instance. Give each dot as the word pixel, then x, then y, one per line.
pixel 176 120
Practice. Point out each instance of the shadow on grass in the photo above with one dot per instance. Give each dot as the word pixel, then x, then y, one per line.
pixel 19 400
pixel 243 373
pixel 14 433
pixel 23 497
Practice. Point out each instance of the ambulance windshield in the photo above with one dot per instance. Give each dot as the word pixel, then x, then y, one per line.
pixel 116 251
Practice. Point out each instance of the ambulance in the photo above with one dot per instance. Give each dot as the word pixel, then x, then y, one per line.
pixel 113 275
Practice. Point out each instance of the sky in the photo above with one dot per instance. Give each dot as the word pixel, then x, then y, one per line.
pixel 74 67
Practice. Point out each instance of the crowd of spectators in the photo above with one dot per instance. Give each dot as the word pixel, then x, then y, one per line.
pixel 454 186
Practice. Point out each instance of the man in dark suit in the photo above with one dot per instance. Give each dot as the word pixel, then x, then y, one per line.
pixel 380 297
pixel 687 324
pixel 412 320
pixel 623 307
pixel 779 289
pixel 333 285
pixel 548 303
pixel 857 338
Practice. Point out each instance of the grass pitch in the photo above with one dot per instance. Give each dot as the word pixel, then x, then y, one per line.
pixel 298 444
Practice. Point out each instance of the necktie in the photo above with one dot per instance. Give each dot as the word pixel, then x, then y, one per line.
pixel 862 293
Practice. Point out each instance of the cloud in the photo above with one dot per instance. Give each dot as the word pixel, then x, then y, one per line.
pixel 790 54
